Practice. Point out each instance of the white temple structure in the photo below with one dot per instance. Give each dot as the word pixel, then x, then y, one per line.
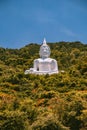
pixel 44 64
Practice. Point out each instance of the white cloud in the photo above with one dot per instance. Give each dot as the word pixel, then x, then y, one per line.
pixel 68 32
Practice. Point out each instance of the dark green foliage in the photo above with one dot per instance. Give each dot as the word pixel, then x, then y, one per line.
pixel 13 120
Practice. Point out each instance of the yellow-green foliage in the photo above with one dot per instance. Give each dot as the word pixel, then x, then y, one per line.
pixel 43 102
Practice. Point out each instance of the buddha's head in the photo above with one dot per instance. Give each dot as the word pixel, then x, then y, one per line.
pixel 44 50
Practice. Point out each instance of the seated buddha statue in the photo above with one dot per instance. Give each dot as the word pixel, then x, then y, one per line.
pixel 44 64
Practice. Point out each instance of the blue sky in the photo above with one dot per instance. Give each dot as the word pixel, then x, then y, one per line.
pixel 29 21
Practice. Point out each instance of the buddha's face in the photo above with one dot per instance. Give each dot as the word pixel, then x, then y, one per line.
pixel 44 51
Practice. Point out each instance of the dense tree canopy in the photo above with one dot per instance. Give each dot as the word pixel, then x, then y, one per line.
pixel 44 102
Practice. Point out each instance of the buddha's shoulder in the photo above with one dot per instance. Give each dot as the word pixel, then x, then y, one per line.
pixel 46 59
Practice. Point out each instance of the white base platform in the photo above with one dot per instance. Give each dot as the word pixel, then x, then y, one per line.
pixel 40 72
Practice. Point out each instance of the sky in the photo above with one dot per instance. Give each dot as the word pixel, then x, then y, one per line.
pixel 29 21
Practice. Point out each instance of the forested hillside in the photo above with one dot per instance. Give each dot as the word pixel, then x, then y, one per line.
pixel 44 102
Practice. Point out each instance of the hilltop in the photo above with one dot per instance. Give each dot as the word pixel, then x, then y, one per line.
pixel 43 102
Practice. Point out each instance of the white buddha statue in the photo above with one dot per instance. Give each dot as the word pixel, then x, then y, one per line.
pixel 44 64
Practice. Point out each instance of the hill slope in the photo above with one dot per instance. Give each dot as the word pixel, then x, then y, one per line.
pixel 33 102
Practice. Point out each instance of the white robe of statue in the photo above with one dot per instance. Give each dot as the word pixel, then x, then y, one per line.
pixel 44 64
